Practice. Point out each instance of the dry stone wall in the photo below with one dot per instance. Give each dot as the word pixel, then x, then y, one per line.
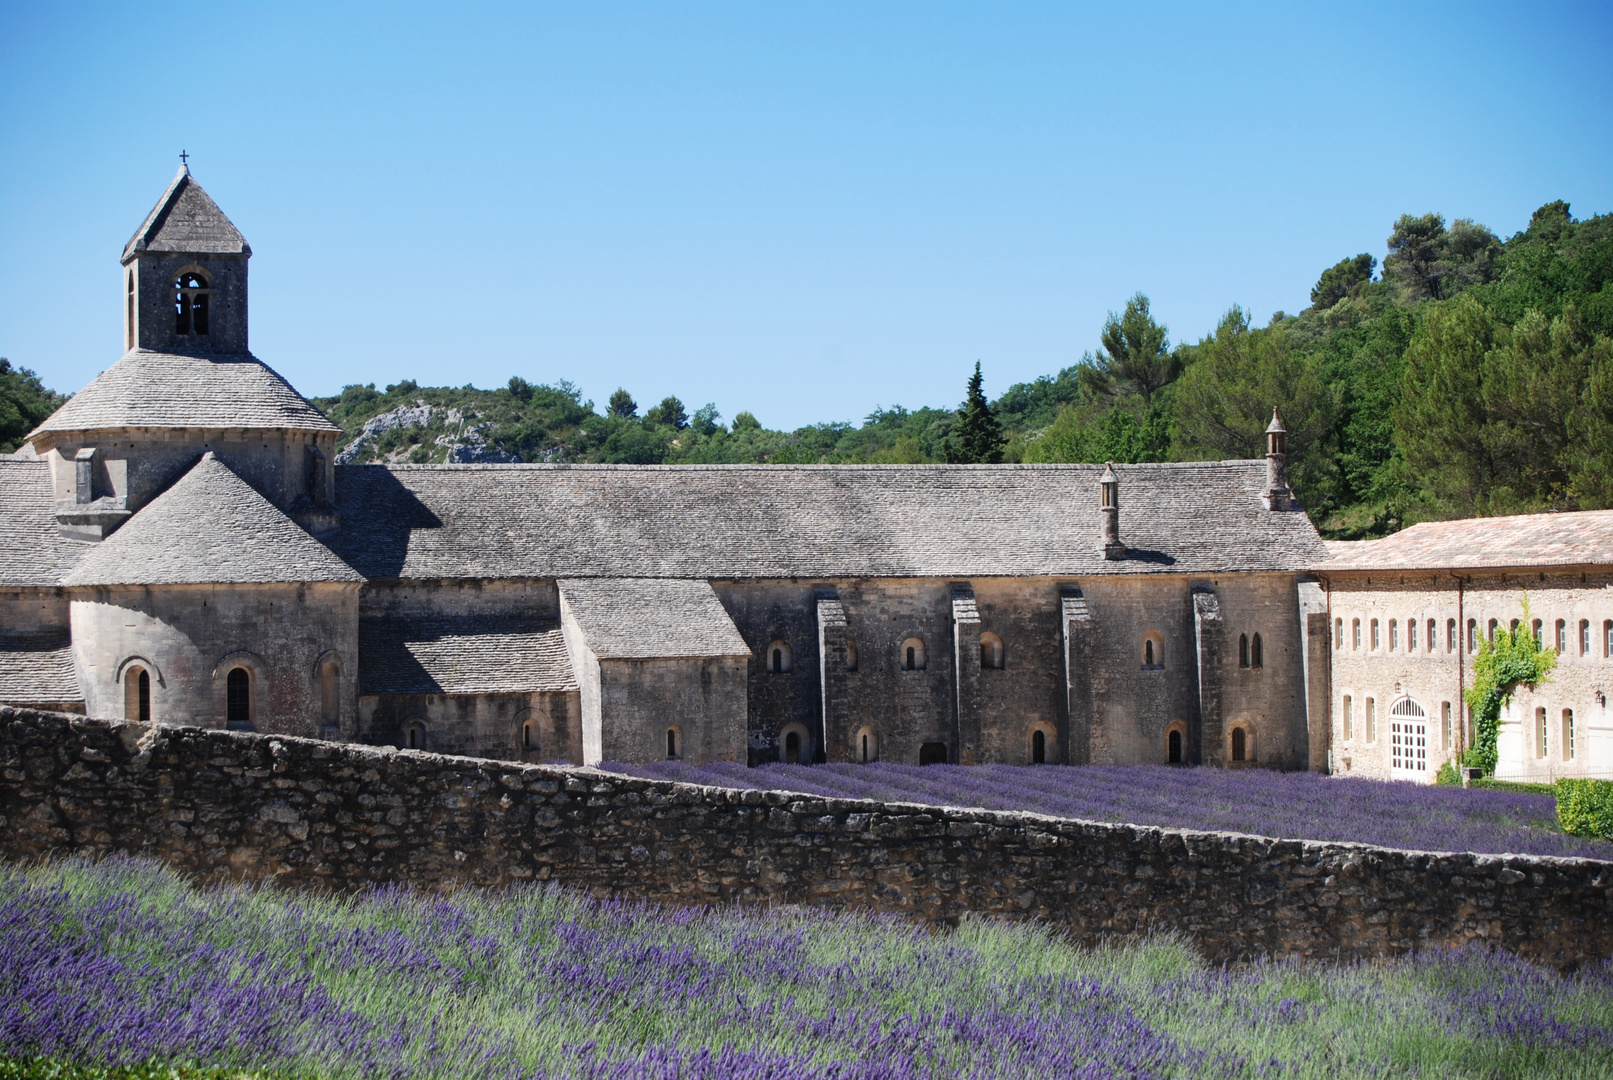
pixel 227 805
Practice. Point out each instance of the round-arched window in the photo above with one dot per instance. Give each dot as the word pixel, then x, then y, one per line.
pixel 238 699
pixel 911 656
pixel 414 736
pixel 865 746
pixel 192 294
pixel 778 658
pixel 1153 651
pixel 991 651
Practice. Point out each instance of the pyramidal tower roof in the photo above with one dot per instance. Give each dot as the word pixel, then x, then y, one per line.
pixel 210 528
pixel 186 219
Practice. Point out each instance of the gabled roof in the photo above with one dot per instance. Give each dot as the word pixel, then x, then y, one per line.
pixel 186 219
pixel 468 654
pixel 1583 538
pixel 651 618
pixel 211 527
pixel 813 521
pixel 33 551
pixel 155 389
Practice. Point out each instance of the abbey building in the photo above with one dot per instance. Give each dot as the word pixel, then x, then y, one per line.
pixel 177 544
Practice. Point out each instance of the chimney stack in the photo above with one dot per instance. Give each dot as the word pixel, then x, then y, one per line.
pixel 1109 488
pixel 1278 495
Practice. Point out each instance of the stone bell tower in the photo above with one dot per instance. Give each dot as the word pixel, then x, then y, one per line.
pixel 184 277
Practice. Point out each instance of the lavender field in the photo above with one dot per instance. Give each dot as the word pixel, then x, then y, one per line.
pixel 1298 806
pixel 124 963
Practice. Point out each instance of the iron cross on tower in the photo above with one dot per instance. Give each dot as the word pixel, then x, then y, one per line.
pixel 184 158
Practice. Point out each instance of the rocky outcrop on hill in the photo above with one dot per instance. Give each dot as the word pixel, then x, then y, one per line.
pixel 466 442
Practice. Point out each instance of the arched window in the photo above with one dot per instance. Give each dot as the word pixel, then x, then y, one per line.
pixel 1153 651
pixel 1349 717
pixel 529 736
pixel 1450 635
pixel 1377 640
pixel 866 746
pixel 1433 628
pixel 1372 720
pixel 1542 743
pixel 1568 735
pixel 933 753
pixel 1445 732
pixel 1038 747
pixel 1513 628
pixel 1338 634
pixel 238 699
pixel 1584 637
pixel 912 655
pixel 192 293
pixel 1534 630
pixel 792 749
pixel 1394 634
pixel 1355 633
pixel 414 736
pixel 674 744
pixel 991 651
pixel 1257 655
pixel 137 694
pixel 1240 745
pixel 1472 635
pixel 1243 650
pixel 851 656
pixel 1173 747
pixel 1411 635
pixel 1607 638
pixel 1562 637
pixel 330 705
pixel 128 318
pixel 778 658
pixel 795 745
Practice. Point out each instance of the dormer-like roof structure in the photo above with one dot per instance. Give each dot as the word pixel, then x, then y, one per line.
pixel 186 219
pixel 156 389
pixel 210 528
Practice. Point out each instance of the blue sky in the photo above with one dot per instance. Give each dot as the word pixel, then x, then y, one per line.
pixel 804 210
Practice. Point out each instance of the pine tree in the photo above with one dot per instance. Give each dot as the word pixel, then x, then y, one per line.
pixel 978 437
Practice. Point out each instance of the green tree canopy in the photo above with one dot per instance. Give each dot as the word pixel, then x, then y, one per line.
pixel 1340 279
pixel 670 412
pixel 622 406
pixel 24 404
pixel 1135 358
pixel 977 437
pixel 1431 262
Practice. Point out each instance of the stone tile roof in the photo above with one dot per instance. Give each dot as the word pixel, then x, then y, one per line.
pixel 651 618
pixel 186 219
pixel 32 550
pixel 1584 538
pixel 821 521
pixel 211 527
pixel 462 655
pixel 155 389
pixel 38 669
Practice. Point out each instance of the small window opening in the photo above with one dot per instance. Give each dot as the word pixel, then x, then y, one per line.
pixel 1562 637
pixel 1445 731
pixel 851 656
pixel 137 695
pixel 1338 633
pixel 1372 720
pixel 1349 717
pixel 1607 639
pixel 414 738
pixel 779 660
pixel 867 747
pixel 1239 744
pixel 991 651
pixel 1173 748
pixel 1472 635
pixel 1584 637
pixel 238 699
pixel 1355 633
pixel 672 744
pixel 1411 635
pixel 1148 653
pixel 1542 743
pixel 792 749
pixel 1377 640
pixel 1568 735
pixel 1243 650
pixel 1534 630
pixel 933 753
pixel 912 655
pixel 191 296
pixel 329 701
pixel 1450 635
pixel 1038 748
pixel 529 736
pixel 128 324
pixel 1257 655
pixel 1394 634
pixel 1495 624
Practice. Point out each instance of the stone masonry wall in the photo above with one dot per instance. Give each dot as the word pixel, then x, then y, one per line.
pixel 226 805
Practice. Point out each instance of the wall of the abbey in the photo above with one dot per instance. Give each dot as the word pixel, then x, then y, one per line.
pixel 31 611
pixel 534 727
pixel 1097 699
pixel 700 700
pixel 188 637
pixel 468 597
pixel 134 465
pixel 1372 673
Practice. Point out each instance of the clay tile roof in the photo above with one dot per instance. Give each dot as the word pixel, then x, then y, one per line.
pixel 1584 538
pixel 38 669
pixel 186 219
pixel 32 550
pixel 155 389
pixel 477 654
pixel 650 618
pixel 211 527
pixel 770 521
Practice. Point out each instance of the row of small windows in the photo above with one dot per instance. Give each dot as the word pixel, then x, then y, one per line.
pixel 910 655
pixel 238 710
pixel 1566 636
pixel 1406 739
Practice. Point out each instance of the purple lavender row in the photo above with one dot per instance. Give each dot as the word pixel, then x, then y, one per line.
pixel 1298 805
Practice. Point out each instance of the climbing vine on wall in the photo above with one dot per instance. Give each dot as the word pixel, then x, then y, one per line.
pixel 1513 658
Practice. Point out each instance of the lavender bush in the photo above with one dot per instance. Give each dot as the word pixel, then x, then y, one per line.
pixel 1298 805
pixel 121 962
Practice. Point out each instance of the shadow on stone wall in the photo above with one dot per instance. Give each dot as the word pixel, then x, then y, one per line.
pixel 221 805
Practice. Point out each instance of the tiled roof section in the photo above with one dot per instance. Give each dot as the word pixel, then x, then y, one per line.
pixel 154 389
pixel 32 550
pixel 211 527
pixel 651 618
pixel 768 521
pixel 1584 538
pixel 462 655
pixel 38 669
pixel 187 219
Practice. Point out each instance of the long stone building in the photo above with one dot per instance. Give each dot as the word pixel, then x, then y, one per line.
pixel 178 544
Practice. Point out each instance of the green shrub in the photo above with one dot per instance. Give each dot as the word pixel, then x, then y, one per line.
pixel 1448 776
pixel 1585 807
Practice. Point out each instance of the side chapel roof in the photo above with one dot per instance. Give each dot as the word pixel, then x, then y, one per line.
pixel 636 619
pixel 186 219
pixel 462 654
pixel 211 527
pixel 33 552
pixel 818 521
pixel 156 389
